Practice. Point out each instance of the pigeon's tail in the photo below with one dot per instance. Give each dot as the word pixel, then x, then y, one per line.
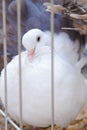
pixel 81 63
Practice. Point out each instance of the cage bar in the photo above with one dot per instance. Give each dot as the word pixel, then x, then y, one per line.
pixel 19 53
pixel 52 66
pixel 5 59
pixel 9 120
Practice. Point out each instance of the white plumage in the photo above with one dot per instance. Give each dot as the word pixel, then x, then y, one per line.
pixel 70 93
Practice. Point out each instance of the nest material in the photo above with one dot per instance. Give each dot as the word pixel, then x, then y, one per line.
pixel 75 11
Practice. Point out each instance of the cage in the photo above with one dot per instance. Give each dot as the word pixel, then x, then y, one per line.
pixel 6 122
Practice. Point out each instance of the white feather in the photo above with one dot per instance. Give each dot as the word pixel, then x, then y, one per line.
pixel 70 93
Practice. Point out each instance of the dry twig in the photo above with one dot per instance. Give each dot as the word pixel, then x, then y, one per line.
pixel 73 10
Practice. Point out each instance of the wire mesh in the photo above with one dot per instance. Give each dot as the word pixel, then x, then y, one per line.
pixel 5 114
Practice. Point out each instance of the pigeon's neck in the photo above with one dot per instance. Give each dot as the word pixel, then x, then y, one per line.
pixel 42 51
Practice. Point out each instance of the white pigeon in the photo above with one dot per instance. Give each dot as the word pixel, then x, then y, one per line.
pixel 70 87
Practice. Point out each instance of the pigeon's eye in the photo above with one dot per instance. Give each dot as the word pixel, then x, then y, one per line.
pixel 38 38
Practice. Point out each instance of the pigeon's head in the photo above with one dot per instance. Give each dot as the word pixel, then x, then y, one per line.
pixel 33 40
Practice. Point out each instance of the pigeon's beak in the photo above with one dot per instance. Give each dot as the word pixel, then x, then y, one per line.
pixel 31 54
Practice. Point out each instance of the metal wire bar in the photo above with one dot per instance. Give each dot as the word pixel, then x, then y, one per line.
pixel 9 120
pixel 19 53
pixel 52 65
pixel 5 59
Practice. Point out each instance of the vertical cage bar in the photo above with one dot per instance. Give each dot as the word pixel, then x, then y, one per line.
pixel 52 66
pixel 19 53
pixel 5 60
